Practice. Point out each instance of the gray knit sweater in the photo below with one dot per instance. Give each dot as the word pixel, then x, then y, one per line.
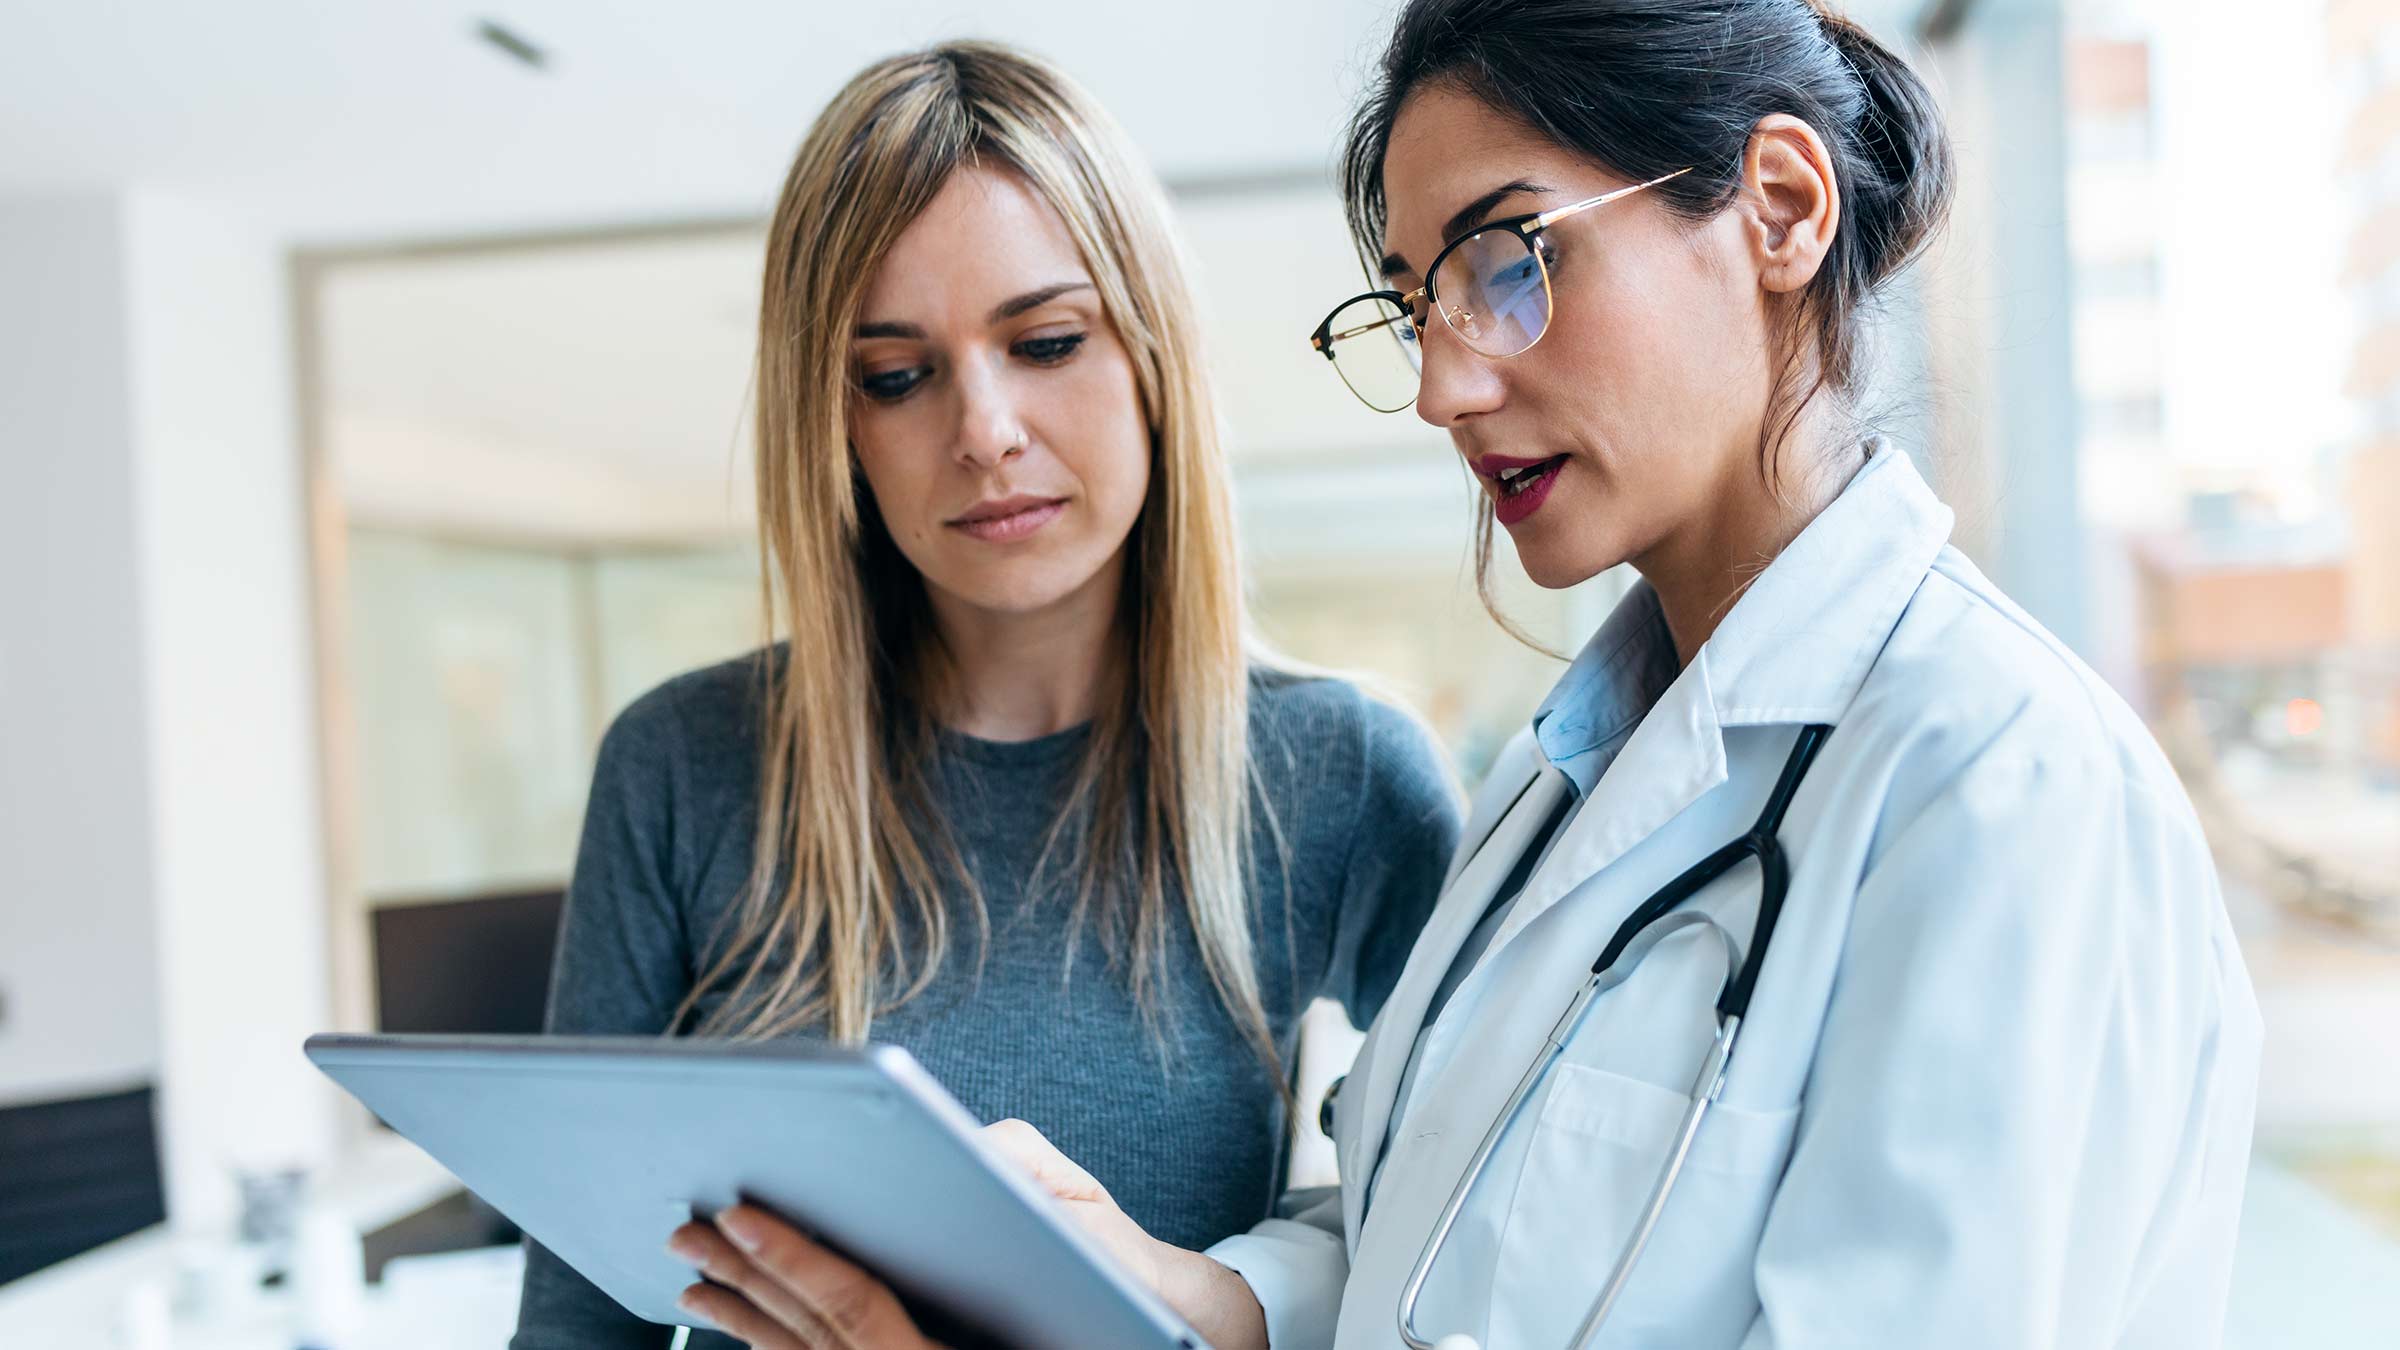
pixel 1186 1131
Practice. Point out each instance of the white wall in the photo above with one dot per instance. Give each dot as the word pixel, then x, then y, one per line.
pixel 229 699
pixel 78 960
pixel 162 910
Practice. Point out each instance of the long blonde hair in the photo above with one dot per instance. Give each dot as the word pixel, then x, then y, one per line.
pixel 849 846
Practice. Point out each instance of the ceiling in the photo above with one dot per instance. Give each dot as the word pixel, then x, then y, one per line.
pixel 387 119
pixel 384 119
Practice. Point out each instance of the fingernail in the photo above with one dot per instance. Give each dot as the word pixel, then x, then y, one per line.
pixel 686 1250
pixel 742 1228
pixel 689 1301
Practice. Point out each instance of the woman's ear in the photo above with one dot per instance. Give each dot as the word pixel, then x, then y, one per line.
pixel 1793 202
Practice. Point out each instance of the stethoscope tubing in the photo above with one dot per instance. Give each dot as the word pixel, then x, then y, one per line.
pixel 1641 931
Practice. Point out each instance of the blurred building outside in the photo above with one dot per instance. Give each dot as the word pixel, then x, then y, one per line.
pixel 2236 393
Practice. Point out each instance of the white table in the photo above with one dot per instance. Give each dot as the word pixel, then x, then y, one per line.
pixel 96 1301
pixel 462 1299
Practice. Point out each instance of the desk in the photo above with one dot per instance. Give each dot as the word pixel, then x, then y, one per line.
pixel 463 1299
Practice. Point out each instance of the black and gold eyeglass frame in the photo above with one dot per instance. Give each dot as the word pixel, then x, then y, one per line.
pixel 1492 286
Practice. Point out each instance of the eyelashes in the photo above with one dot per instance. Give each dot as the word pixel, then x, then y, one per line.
pixel 891 386
pixel 1049 351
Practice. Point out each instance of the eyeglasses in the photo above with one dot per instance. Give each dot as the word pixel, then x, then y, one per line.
pixel 1492 286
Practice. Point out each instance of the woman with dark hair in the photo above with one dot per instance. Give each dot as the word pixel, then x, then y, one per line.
pixel 1835 960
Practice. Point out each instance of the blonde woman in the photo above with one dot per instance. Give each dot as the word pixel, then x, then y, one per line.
pixel 1017 794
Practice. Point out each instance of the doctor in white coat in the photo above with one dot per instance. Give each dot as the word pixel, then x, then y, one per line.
pixel 1994 1080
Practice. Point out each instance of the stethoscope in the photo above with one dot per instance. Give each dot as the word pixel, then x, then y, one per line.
pixel 1657 918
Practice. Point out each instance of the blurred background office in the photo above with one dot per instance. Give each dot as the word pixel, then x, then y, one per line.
pixel 373 426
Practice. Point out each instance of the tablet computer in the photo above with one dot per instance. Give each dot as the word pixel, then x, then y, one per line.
pixel 600 1148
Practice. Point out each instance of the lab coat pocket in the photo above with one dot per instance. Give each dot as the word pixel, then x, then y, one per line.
pixel 1592 1156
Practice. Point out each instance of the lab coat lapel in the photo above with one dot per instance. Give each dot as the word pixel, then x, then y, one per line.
pixel 1522 801
pixel 1674 757
pixel 1513 769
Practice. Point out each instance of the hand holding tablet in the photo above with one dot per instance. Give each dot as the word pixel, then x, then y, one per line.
pixel 776 1289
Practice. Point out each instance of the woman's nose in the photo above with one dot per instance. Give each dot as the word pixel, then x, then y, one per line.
pixel 990 428
pixel 1453 381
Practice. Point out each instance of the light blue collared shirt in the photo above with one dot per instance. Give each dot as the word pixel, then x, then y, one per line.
pixel 1615 680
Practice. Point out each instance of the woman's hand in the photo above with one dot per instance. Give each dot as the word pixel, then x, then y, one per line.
pixel 1216 1301
pixel 1086 1201
pixel 775 1289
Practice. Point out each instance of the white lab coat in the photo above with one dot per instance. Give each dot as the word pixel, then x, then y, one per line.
pixel 1997 1081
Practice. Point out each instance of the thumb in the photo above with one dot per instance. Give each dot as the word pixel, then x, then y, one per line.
pixel 1026 1146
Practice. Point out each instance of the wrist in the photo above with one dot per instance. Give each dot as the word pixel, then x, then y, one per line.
pixel 1212 1296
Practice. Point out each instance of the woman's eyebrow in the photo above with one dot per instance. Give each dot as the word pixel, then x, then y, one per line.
pixel 1009 309
pixel 1474 213
pixel 1001 313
